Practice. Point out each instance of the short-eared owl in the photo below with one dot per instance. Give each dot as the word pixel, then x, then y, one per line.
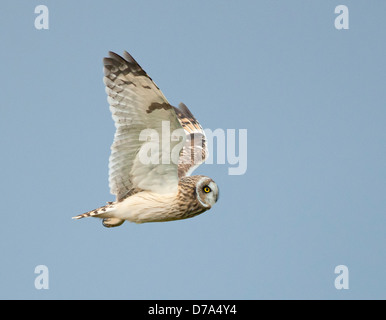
pixel 150 176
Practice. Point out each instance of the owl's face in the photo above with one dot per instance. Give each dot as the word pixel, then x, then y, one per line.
pixel 207 192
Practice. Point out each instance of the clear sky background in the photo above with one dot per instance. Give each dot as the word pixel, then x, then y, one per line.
pixel 312 98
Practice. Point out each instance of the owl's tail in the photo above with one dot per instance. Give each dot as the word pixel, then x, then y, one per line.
pixel 103 212
pixel 96 212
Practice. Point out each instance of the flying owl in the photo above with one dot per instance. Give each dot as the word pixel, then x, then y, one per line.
pixel 152 191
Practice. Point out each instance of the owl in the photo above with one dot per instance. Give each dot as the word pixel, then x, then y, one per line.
pixel 162 189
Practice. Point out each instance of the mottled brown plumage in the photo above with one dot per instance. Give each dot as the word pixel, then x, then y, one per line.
pixel 187 191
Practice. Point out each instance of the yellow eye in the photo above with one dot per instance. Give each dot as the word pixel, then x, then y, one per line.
pixel 207 189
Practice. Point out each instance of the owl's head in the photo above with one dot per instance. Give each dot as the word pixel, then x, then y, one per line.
pixel 207 191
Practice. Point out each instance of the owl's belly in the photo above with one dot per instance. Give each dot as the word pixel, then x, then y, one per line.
pixel 148 207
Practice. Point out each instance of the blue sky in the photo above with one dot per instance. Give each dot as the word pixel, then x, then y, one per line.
pixel 313 101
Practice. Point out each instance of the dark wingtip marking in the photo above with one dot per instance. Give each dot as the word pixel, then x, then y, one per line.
pixel 117 61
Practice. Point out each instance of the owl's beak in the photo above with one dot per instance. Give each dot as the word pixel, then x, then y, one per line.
pixel 218 194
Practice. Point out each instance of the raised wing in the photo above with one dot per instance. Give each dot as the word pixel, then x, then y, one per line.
pixel 195 149
pixel 137 104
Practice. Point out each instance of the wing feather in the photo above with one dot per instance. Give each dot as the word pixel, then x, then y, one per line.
pixel 136 103
pixel 195 150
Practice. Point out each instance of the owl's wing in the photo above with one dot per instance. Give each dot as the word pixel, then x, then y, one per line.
pixel 137 104
pixel 195 149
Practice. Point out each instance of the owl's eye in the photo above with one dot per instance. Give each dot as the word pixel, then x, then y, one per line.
pixel 207 189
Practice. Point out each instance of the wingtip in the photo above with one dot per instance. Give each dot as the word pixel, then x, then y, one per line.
pixel 128 56
pixel 184 109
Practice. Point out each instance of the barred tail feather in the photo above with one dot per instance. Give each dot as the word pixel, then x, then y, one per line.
pixel 96 212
